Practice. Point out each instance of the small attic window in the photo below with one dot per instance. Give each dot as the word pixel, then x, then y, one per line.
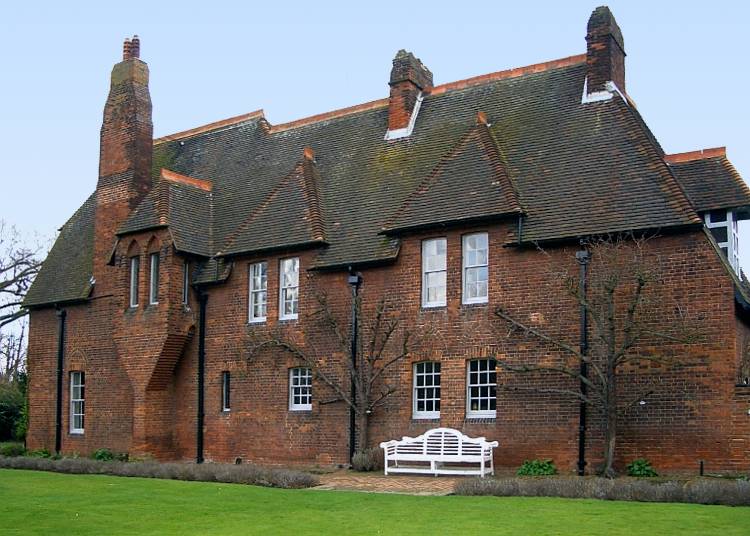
pixel 723 227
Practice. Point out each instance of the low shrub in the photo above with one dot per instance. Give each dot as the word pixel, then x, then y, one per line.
pixel 368 460
pixel 12 449
pixel 700 490
pixel 537 468
pixel 641 468
pixel 40 453
pixel 207 472
pixel 103 455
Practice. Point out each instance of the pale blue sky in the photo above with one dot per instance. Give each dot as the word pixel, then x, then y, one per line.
pixel 687 70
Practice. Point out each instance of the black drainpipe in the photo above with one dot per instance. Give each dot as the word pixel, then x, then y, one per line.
pixel 583 257
pixel 61 314
pixel 202 303
pixel 354 280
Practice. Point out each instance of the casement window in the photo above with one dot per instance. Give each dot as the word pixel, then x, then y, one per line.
pixel 300 389
pixel 723 227
pixel 225 388
pixel 77 397
pixel 481 388
pixel 185 282
pixel 434 263
pixel 258 285
pixel 153 287
pixel 135 268
pixel 289 289
pixel 475 268
pixel 426 390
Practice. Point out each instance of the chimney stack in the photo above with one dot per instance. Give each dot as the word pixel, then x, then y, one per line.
pixel 125 150
pixel 409 78
pixel 605 52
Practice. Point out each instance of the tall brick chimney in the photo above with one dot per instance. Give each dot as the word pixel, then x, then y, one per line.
pixel 605 52
pixel 125 151
pixel 409 77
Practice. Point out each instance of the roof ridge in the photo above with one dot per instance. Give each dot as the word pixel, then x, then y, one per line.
pixel 700 154
pixel 501 166
pixel 231 121
pixel 174 177
pixel 514 72
pixel 311 194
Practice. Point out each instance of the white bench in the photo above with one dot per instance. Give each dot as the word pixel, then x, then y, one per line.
pixel 438 447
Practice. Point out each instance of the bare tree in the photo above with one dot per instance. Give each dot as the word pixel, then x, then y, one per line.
pixel 383 341
pixel 19 264
pixel 13 353
pixel 630 317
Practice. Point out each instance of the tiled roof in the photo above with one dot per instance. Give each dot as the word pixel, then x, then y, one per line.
pixel 181 203
pixel 572 168
pixel 469 183
pixel 66 273
pixel 710 180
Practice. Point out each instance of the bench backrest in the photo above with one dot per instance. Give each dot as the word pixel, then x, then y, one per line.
pixel 441 441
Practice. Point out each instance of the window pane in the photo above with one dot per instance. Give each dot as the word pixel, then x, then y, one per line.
pixel 154 287
pixel 718 216
pixel 720 234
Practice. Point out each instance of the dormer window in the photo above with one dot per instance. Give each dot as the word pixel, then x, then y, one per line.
pixel 723 227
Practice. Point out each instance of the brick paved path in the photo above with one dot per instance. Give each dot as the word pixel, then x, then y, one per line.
pixel 379 483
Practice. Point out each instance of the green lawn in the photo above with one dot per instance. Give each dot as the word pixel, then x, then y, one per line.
pixel 49 503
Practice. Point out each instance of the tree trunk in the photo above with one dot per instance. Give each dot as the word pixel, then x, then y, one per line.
pixel 362 425
pixel 610 425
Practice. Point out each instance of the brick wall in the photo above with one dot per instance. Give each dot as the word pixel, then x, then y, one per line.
pixel 141 395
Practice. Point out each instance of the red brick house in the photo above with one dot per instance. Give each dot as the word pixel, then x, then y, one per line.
pixel 195 243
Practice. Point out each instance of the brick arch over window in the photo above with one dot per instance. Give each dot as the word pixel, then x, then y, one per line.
pixel 153 245
pixel 134 248
pixel 77 360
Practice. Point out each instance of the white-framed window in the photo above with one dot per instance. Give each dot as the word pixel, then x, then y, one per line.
pixel 185 282
pixel 300 389
pixel 434 266
pixel 77 398
pixel 723 227
pixel 153 286
pixel 475 268
pixel 135 268
pixel 225 388
pixel 481 388
pixel 426 390
pixel 289 289
pixel 258 284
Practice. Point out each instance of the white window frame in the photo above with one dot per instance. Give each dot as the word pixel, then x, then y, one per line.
pixel 481 413
pixel 153 278
pixel 77 381
pixel 427 271
pixel 732 242
pixel 300 388
pixel 226 387
pixel 433 376
pixel 135 269
pixel 283 288
pixel 255 294
pixel 467 267
pixel 185 282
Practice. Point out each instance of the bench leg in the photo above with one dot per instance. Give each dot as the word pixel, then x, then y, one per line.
pixel 482 469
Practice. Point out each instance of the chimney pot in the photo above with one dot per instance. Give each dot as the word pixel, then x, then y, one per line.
pixel 135 47
pixel 126 49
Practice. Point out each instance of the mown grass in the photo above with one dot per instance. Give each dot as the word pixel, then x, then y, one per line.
pixel 36 502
